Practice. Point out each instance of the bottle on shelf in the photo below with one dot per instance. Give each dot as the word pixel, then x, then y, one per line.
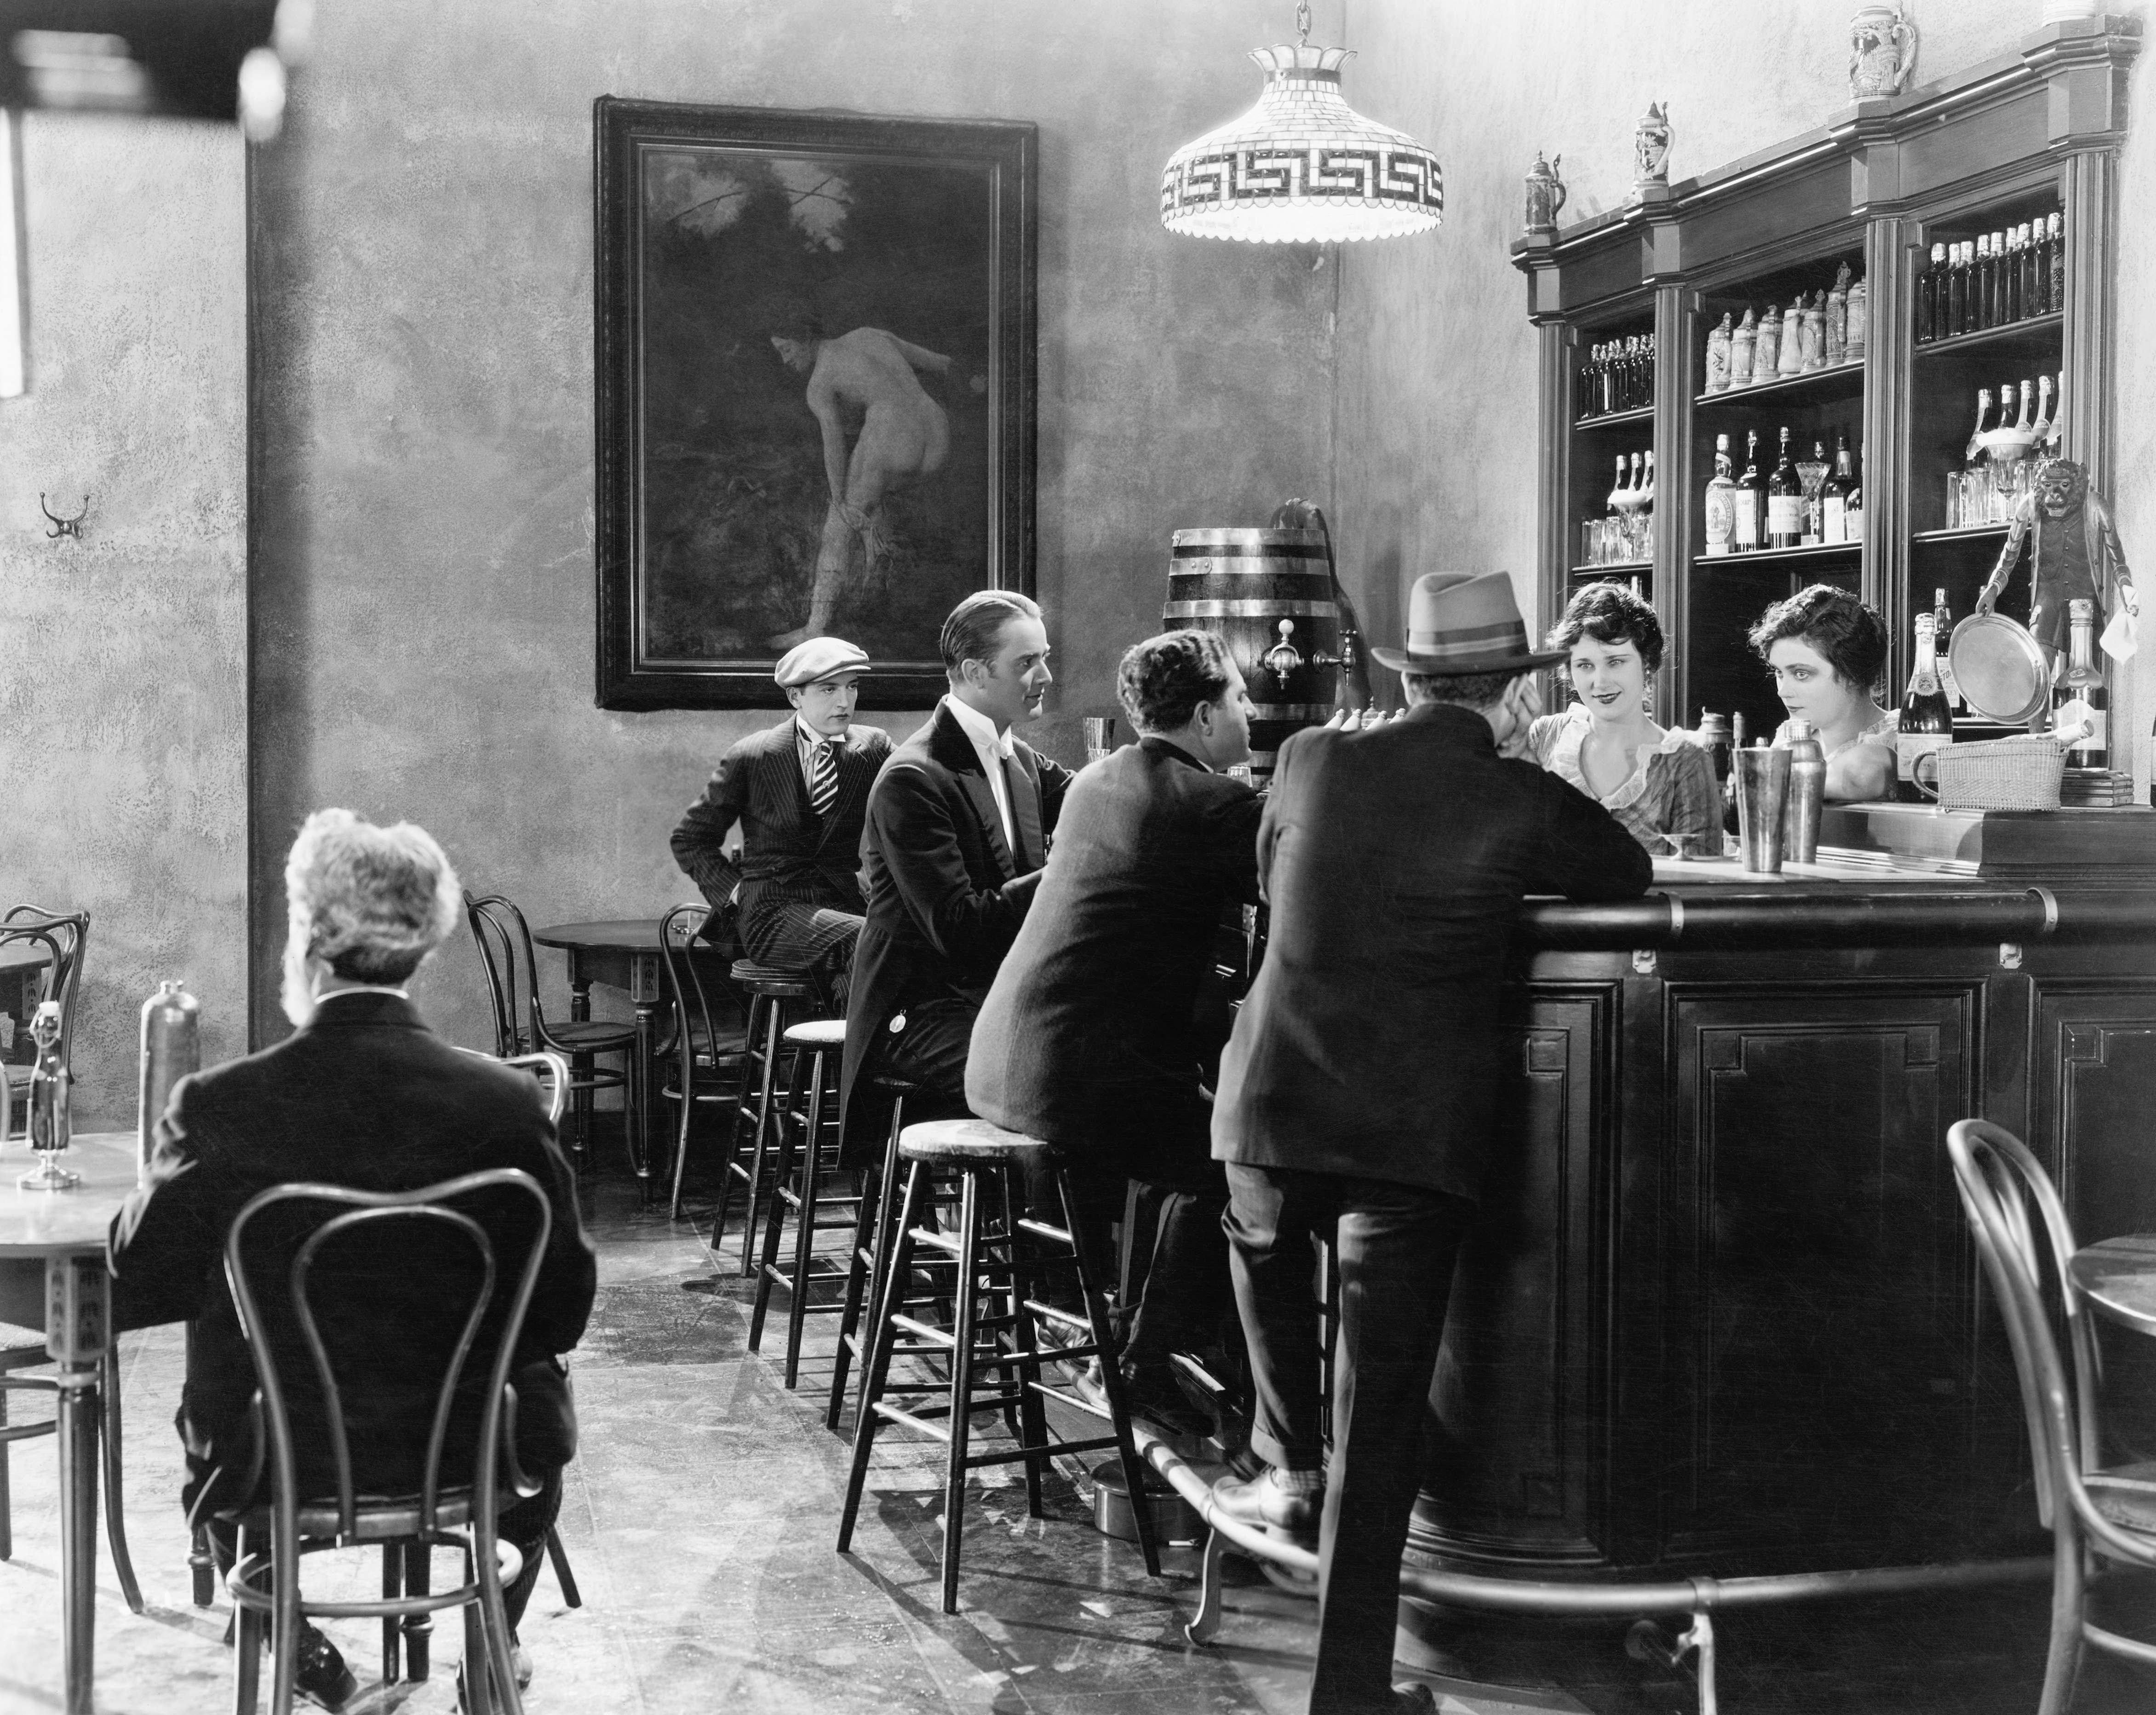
pixel 1957 321
pixel 1814 480
pixel 1927 295
pixel 2055 441
pixel 1751 515
pixel 2055 274
pixel 2031 298
pixel 1645 549
pixel 1616 497
pixel 2081 708
pixel 1785 502
pixel 1941 637
pixel 1926 721
pixel 1853 508
pixel 1834 495
pixel 1981 281
pixel 2010 277
pixel 1985 423
pixel 1999 273
pixel 2021 423
pixel 1721 501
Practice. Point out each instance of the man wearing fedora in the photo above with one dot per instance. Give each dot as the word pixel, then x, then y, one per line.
pixel 799 792
pixel 1357 1093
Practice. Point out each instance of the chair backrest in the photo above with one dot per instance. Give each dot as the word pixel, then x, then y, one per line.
pixel 1998 1179
pixel 512 973
pixel 692 1006
pixel 66 936
pixel 546 1064
pixel 375 1244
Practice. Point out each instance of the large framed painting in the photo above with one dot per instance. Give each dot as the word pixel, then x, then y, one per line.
pixel 815 391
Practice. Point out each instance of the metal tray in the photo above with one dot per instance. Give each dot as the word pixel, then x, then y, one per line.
pixel 2001 669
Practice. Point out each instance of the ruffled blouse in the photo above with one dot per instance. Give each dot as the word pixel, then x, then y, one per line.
pixel 1670 803
pixel 1879 732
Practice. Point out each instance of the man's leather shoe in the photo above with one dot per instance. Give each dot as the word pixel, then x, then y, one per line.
pixel 322 1675
pixel 1262 1503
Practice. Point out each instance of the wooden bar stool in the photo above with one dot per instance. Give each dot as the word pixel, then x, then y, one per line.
pixel 997 1299
pixel 777 1000
pixel 807 1133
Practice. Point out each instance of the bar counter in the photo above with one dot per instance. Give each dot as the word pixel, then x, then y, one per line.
pixel 1722 1317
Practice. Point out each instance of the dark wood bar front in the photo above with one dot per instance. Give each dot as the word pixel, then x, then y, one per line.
pixel 1722 1316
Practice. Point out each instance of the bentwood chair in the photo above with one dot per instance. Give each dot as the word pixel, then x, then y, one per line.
pixel 330 1487
pixel 2095 1513
pixel 62 936
pixel 703 1062
pixel 512 977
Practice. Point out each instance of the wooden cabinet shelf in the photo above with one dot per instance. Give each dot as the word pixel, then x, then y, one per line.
pixel 2035 129
pixel 1618 419
pixel 1623 568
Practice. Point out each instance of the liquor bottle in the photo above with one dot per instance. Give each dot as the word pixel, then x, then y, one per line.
pixel 1814 502
pixel 1853 508
pixel 1834 495
pixel 1942 638
pixel 1721 500
pixel 1785 502
pixel 1981 280
pixel 1998 274
pixel 2055 294
pixel 1751 499
pixel 2010 279
pixel 1985 423
pixel 1927 723
pixel 2082 704
pixel 2030 297
pixel 1957 290
pixel 1929 283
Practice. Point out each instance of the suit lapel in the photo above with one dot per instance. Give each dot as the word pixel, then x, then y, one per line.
pixel 950 746
pixel 789 787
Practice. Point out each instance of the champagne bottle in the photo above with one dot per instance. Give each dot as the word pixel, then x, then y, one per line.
pixel 1834 495
pixel 1941 637
pixel 1751 499
pixel 1785 502
pixel 2081 712
pixel 1616 497
pixel 1926 722
pixel 2021 423
pixel 1721 501
pixel 2042 428
pixel 1985 422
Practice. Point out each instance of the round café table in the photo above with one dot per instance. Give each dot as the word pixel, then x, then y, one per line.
pixel 52 1277
pixel 2118 1277
pixel 623 953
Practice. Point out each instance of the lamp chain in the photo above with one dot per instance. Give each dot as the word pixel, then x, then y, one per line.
pixel 1302 22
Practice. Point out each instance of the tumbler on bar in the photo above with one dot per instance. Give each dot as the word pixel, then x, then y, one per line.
pixel 1807 794
pixel 1099 735
pixel 1762 774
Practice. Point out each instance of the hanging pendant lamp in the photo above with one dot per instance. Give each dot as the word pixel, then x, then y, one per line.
pixel 1302 166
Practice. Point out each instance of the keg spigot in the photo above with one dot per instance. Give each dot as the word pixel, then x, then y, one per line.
pixel 1283 658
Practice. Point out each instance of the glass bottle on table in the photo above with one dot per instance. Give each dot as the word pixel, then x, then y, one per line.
pixel 1751 514
pixel 1785 502
pixel 2081 710
pixel 1721 501
pixel 1926 722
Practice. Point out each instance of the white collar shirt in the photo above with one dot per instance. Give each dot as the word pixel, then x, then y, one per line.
pixel 994 749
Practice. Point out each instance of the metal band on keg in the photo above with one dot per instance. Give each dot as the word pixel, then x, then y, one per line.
pixel 1251 608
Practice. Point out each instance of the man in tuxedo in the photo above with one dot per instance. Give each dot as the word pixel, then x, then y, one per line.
pixel 361 1096
pixel 1358 1091
pixel 798 791
pixel 957 828
pixel 1091 1035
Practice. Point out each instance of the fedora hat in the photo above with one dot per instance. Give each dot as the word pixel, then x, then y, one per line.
pixel 1464 622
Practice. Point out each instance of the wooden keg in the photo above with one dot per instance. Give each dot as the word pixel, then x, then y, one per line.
pixel 1268 593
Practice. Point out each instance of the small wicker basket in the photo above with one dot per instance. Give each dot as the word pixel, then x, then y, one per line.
pixel 2020 774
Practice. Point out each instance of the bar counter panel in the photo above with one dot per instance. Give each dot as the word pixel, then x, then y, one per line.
pixel 1721 1316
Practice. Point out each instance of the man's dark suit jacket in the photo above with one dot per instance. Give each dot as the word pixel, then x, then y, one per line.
pixel 789 857
pixel 1089 1036
pixel 366 1097
pixel 1395 860
pixel 944 892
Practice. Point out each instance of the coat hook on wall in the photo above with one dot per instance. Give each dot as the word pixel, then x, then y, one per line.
pixel 64 526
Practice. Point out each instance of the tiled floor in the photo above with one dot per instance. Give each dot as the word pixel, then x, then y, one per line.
pixel 700 1521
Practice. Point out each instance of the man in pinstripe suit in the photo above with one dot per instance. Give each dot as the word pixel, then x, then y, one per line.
pixel 798 791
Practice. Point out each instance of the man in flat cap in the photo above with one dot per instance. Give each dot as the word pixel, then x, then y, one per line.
pixel 798 791
pixel 1358 1094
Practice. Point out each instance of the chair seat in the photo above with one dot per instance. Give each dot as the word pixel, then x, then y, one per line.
pixel 825 1034
pixel 2126 1495
pixel 381 1518
pixel 592 1035
pixel 774 980
pixel 964 1140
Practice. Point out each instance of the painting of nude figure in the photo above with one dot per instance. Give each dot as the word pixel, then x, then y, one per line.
pixel 816 392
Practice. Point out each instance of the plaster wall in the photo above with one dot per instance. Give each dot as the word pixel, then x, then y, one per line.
pixel 423 591
pixel 1436 419
pixel 122 710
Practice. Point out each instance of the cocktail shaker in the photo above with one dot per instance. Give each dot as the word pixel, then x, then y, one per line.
pixel 1762 774
pixel 1800 815
pixel 172 1048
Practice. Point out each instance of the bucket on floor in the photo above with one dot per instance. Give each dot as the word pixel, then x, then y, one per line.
pixel 1174 1519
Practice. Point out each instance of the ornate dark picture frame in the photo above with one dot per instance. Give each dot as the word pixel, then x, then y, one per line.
pixel 816 391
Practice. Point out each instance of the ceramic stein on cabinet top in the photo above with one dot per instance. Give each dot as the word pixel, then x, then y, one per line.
pixel 1882 51
pixel 1545 193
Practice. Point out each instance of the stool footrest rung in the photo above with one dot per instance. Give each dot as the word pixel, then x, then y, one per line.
pixel 1042 1229
pixel 950 1246
pixel 1067 1318
pixel 1011 1455
pixel 1077 1402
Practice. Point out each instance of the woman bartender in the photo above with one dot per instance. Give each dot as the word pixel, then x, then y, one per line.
pixel 1825 650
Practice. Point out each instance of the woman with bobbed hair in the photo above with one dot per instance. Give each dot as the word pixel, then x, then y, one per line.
pixel 1826 649
pixel 1659 786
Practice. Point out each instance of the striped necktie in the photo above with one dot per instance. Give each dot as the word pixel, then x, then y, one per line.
pixel 823 780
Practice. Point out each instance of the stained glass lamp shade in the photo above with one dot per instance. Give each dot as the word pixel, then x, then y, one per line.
pixel 1302 166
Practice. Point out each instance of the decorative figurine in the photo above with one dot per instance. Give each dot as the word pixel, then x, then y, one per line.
pixel 1545 194
pixel 1791 357
pixel 1882 52
pixel 2076 556
pixel 1767 357
pixel 1743 344
pixel 48 1128
pixel 1650 149
pixel 1837 319
pixel 1717 357
pixel 1858 321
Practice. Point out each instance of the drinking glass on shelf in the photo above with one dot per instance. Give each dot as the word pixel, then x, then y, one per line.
pixel 1953 499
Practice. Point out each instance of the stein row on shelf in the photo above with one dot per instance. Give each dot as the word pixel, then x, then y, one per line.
pixel 1820 330
pixel 1994 280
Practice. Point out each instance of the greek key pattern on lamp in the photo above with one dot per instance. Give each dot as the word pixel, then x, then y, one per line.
pixel 1273 174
